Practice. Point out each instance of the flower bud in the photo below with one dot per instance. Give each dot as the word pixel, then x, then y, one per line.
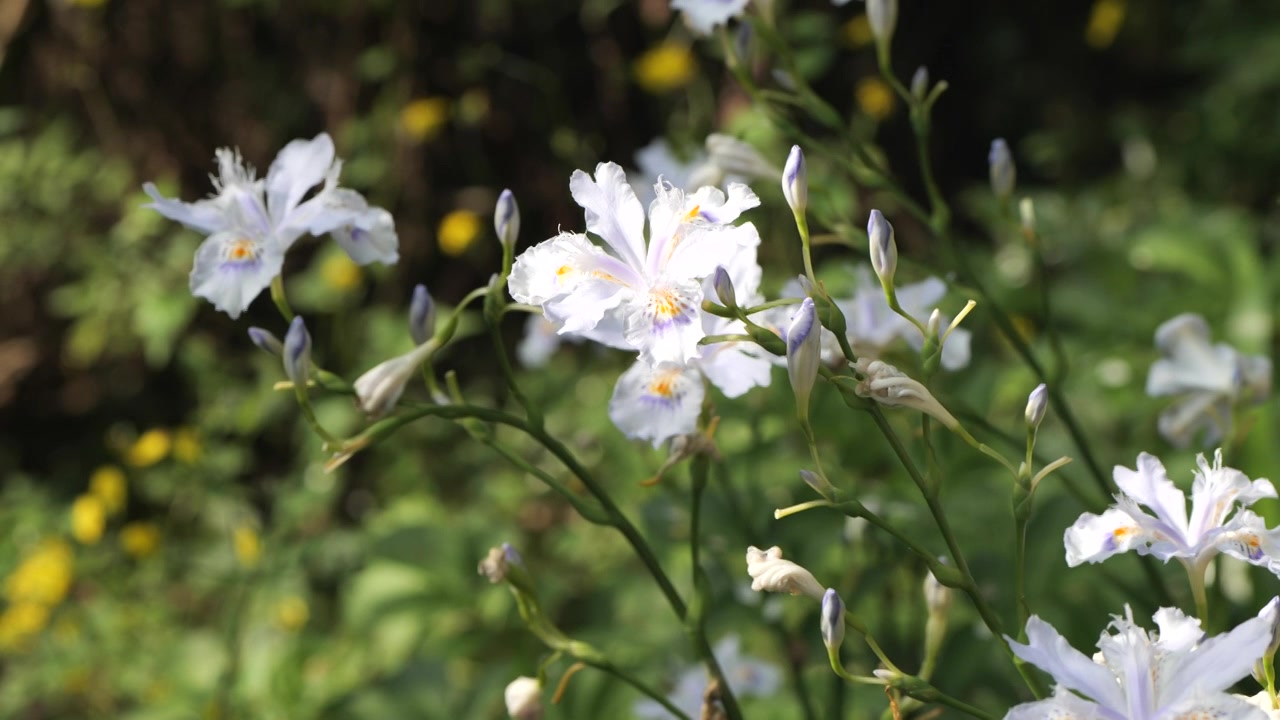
pixel 724 288
pixel 804 352
pixel 832 620
pixel 378 390
pixel 1037 403
pixel 1027 213
pixel 934 326
pixel 297 352
pixel 422 315
pixel 266 340
pixel 795 181
pixel 884 249
pixel 524 699
pixel 920 84
pixel 771 573
pixel 815 481
pixel 937 597
pixel 882 16
pixel 506 219
pixel 1001 168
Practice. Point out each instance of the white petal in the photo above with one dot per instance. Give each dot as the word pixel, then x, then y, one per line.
pixel 955 351
pixel 1247 538
pixel 370 237
pixel 736 157
pixel 1049 651
pixel 718 208
pixel 1217 663
pixel 702 16
pixel 1094 538
pixel 1201 413
pixel 664 323
pixel 539 343
pixel 552 268
pixel 1150 485
pixel 205 216
pixel 657 402
pixel 736 367
pixel 1218 706
pixel 612 210
pixel 299 166
pixel 700 249
pixel 1062 706
pixel 1178 632
pixel 230 270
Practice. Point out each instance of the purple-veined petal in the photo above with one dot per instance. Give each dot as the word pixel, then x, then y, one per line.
pixel 205 216
pixel 370 237
pixel 230 270
pixel 299 166
pixel 664 322
pixel 1094 538
pixel 1051 652
pixel 1218 662
pixel 657 402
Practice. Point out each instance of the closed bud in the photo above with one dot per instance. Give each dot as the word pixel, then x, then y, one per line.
pixel 804 352
pixel 297 352
pixel 506 219
pixel 832 620
pixel 882 16
pixel 795 181
pixel 1001 168
pixel 935 323
pixel 379 389
pixel 524 699
pixel 1027 213
pixel 883 248
pixel 1037 403
pixel 920 84
pixel 937 597
pixel 422 315
pixel 266 340
pixel 815 481
pixel 724 288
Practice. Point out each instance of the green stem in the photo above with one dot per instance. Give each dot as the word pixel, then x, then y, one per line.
pixel 638 684
pixel 970 586
pixel 1195 574
pixel 280 299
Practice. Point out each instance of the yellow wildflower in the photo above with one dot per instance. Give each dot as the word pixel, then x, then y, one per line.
pixel 107 483
pixel 140 539
pixel 666 67
pixel 20 622
pixel 187 447
pixel 248 545
pixel 150 448
pixel 423 118
pixel 858 32
pixel 457 231
pixel 44 576
pixel 874 97
pixel 1104 23
pixel 292 612
pixel 88 519
pixel 340 273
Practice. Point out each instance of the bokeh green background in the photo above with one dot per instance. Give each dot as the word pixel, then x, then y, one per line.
pixel 189 556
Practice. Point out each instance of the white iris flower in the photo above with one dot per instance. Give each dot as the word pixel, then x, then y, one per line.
pixel 251 222
pixel 1175 674
pixel 747 677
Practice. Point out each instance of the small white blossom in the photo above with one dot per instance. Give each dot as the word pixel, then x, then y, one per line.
pixel 1208 380
pixel 702 16
pixel 251 222
pixel 771 573
pixel 1218 522
pixel 1176 673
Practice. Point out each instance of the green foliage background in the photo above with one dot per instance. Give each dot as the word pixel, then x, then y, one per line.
pixel 1151 159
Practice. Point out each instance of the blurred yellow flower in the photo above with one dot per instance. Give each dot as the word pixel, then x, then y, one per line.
pixel 858 32
pixel 473 106
pixel 140 539
pixel 666 67
pixel 248 545
pixel 874 97
pixel 19 624
pixel 44 576
pixel 340 273
pixel 292 612
pixel 423 118
pixel 1104 23
pixel 89 3
pixel 107 483
pixel 457 231
pixel 88 519
pixel 187 447
pixel 150 448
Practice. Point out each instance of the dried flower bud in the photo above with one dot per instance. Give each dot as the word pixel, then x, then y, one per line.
pixel 770 573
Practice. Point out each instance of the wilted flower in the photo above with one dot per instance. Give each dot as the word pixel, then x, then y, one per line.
pixel 524 699
pixel 638 295
pixel 891 387
pixel 1208 380
pixel 770 573
pixel 747 677
pixel 1215 524
pixel 251 223
pixel 1177 673
pixel 495 565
